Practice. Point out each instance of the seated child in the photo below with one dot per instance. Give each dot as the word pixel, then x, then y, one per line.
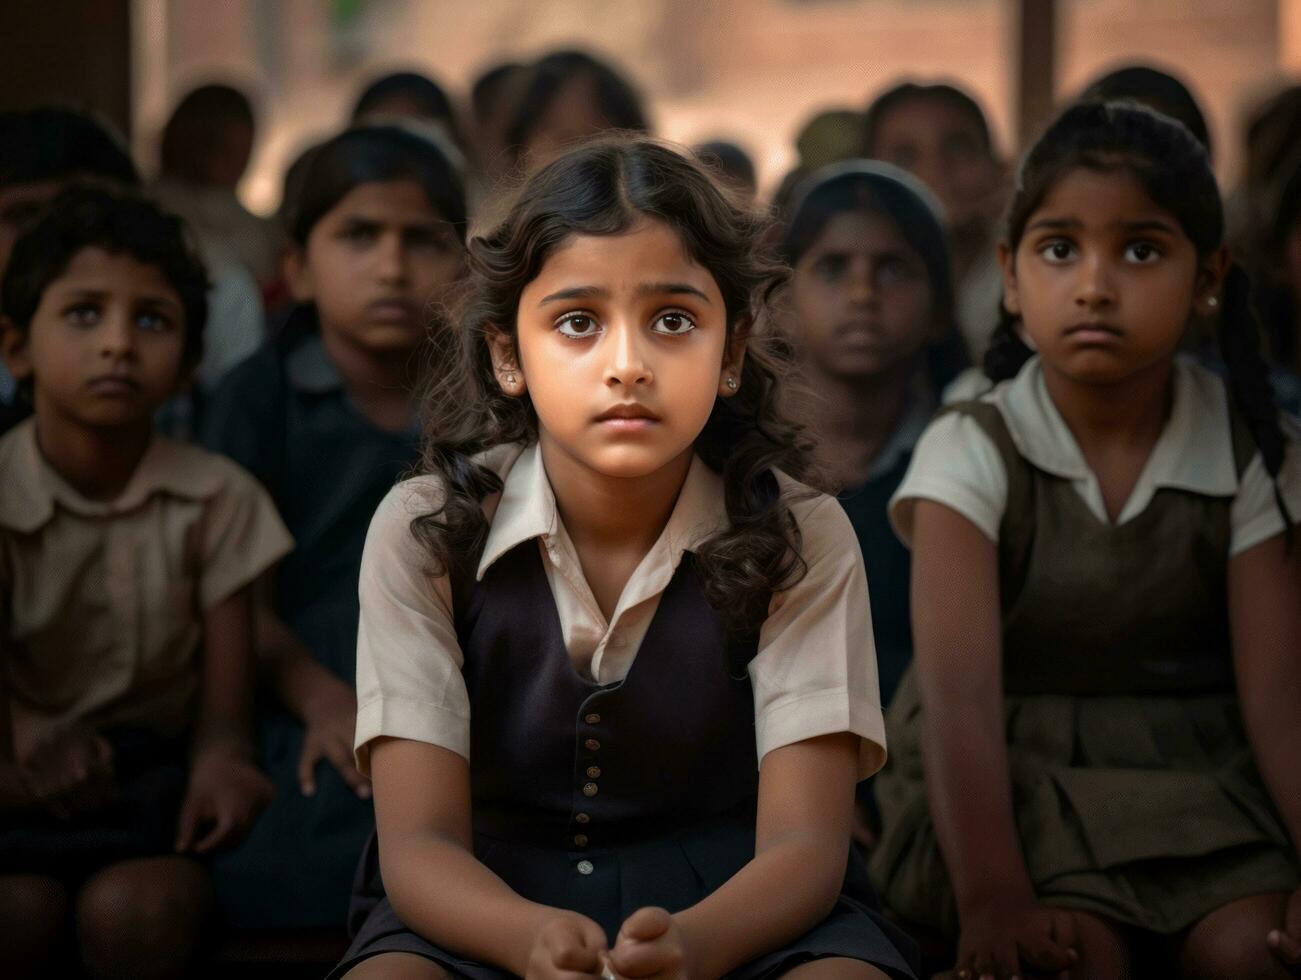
pixel 41 150
pixel 125 632
pixel 1094 754
pixel 325 416
pixel 870 302
pixel 615 672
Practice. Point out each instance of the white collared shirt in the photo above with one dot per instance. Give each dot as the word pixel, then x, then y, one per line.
pixel 957 464
pixel 814 673
pixel 102 601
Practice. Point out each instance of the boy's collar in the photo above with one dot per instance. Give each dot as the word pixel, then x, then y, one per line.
pixel 33 488
pixel 309 368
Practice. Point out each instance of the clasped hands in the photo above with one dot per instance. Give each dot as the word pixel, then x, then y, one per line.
pixel 651 945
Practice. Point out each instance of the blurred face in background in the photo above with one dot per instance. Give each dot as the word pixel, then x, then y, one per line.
pixel 571 115
pixel 374 264
pixel 944 147
pixel 862 300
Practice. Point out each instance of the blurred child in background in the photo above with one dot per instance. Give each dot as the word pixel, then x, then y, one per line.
pixel 325 417
pixel 126 565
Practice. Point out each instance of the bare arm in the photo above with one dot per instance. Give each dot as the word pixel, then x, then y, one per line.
pixel 422 813
pixel 326 705
pixel 957 639
pixel 1265 616
pixel 806 806
pixel 226 790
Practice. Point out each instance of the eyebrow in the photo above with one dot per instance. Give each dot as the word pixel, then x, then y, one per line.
pixel 645 289
pixel 103 294
pixel 369 221
pixel 1075 224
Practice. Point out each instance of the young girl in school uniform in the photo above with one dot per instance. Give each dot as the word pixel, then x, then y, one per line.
pixel 615 679
pixel 1107 598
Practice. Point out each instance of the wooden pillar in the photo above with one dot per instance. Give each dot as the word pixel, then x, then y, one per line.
pixel 75 53
pixel 1034 26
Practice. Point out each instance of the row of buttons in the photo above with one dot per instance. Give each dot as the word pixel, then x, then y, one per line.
pixel 590 789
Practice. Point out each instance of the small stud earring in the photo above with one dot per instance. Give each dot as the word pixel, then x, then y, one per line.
pixel 510 379
pixel 731 384
pixel 1213 302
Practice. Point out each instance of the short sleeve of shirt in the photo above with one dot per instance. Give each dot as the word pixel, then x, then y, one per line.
pixel 243 536
pixel 1255 516
pixel 815 670
pixel 409 682
pixel 958 465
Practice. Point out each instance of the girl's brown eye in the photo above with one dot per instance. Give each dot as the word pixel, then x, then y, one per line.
pixel 673 324
pixel 576 325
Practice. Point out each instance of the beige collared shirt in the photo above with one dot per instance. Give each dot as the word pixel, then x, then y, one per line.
pixel 814 674
pixel 957 464
pixel 102 608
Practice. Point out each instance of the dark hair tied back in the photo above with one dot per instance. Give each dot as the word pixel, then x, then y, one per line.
pixel 1174 170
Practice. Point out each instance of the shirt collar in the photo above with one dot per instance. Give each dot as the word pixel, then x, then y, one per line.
pixel 527 509
pixel 308 365
pixel 1194 451
pixel 33 488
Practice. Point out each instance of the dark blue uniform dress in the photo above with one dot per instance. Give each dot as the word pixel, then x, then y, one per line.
pixel 606 799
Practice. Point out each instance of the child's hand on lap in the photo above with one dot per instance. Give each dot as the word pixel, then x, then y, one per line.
pixel 225 796
pixel 997 939
pixel 71 773
pixel 567 945
pixel 1285 942
pixel 329 723
pixel 651 944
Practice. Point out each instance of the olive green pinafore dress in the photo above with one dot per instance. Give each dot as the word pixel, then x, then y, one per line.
pixel 1133 786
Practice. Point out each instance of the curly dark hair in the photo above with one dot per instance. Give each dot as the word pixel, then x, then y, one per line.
pixel 1173 168
pixel 604 188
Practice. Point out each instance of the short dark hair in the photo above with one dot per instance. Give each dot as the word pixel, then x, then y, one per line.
pixel 730 161
pixel 426 94
pixel 618 101
pixel 195 127
pixel 57 144
pixel 121 223
pixel 325 174
pixel 893 98
pixel 490 86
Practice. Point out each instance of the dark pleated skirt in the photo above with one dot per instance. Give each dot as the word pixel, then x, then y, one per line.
pixel 674 872
pixel 1145 810
pixel 151 776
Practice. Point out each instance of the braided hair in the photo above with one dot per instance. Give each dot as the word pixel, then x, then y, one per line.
pixel 1173 168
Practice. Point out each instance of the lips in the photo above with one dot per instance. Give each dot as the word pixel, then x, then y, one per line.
pixel 1094 328
pixel 629 415
pixel 394 310
pixel 113 386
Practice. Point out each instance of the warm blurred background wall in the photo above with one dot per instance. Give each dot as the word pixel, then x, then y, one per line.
pixel 750 70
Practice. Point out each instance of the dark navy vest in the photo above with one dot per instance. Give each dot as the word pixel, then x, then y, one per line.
pixel 559 761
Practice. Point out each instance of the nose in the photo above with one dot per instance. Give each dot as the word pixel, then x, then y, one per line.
pixel 116 335
pixel 391 258
pixel 862 288
pixel 626 363
pixel 1094 288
